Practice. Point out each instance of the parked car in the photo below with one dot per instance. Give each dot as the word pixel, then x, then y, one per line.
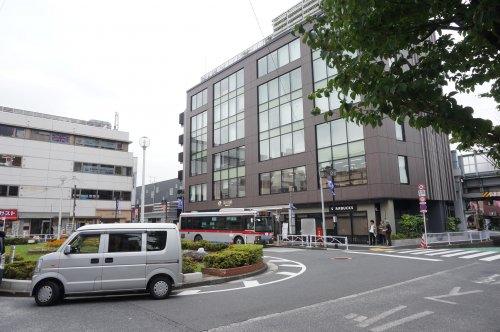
pixel 106 258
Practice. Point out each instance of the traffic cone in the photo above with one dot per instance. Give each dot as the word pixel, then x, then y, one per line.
pixel 423 244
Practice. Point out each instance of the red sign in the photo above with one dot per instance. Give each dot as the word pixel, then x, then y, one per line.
pixel 8 214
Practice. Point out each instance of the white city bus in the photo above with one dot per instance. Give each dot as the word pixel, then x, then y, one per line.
pixel 228 225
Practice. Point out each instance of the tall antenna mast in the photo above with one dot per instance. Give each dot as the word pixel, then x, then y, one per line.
pixel 117 120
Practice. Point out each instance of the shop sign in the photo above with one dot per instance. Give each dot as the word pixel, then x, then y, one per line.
pixel 225 203
pixel 343 208
pixel 8 214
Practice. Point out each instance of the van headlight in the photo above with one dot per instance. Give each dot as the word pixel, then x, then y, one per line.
pixel 38 265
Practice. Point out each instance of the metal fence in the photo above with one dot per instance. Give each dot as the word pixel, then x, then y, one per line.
pixel 452 237
pixel 314 241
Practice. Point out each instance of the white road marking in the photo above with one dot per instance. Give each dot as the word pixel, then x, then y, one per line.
pixel 251 283
pixel 484 253
pixel 189 292
pixel 286 273
pixel 350 316
pixel 360 318
pixel 488 280
pixel 277 260
pixel 376 318
pixel 428 251
pixel 459 252
pixel 280 250
pixel 401 321
pixel 340 299
pixel 441 252
pixel 290 265
pixel 397 256
pixel 491 258
pixel 454 292
pixel 412 250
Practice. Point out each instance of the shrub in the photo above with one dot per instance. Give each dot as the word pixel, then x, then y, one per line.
pixel 254 251
pixel 208 246
pixel 195 255
pixel 452 224
pixel 411 226
pixel 226 259
pixel 188 265
pixel 12 241
pixel 20 269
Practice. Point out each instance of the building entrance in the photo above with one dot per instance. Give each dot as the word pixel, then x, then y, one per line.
pixel 354 225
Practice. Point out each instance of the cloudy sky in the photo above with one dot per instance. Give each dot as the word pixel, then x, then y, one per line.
pixel 89 59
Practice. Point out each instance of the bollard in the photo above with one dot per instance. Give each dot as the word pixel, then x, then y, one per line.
pixel 12 254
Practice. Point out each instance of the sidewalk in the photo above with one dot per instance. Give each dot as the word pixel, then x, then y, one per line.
pixel 13 287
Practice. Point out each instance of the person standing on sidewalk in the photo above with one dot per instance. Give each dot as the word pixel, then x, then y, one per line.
pixel 388 231
pixel 372 232
pixel 381 233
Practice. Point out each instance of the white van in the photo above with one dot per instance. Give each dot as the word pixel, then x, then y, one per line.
pixel 111 258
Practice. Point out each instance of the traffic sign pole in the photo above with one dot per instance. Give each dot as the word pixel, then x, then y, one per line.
pixel 423 207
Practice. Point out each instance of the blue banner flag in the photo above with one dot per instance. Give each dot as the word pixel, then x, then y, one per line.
pixel 331 186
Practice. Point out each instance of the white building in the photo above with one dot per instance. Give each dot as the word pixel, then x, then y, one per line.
pixel 55 168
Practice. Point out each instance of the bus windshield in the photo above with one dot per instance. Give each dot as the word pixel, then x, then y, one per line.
pixel 263 224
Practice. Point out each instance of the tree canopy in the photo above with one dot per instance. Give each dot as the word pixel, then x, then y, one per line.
pixel 398 55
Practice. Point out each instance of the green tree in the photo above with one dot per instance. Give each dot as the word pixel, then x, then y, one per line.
pixel 373 44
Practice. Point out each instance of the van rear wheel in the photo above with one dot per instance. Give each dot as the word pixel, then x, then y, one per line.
pixel 160 288
pixel 47 293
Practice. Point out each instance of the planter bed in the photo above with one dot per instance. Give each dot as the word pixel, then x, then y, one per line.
pixel 234 271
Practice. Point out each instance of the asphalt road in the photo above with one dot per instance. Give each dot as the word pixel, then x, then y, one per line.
pixel 304 290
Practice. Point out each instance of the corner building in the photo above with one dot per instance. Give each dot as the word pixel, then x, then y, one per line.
pixel 250 141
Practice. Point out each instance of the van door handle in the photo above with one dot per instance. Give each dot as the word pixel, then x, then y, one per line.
pixel 94 260
pixel 108 260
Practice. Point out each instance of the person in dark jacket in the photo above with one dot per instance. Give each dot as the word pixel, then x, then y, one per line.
pixel 388 231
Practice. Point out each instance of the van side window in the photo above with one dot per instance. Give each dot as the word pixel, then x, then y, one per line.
pixel 124 242
pixel 157 240
pixel 85 244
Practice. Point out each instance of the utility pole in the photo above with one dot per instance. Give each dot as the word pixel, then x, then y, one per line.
pixel 74 207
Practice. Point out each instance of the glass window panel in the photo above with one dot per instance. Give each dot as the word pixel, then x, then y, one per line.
pixel 217 193
pixel 354 131
pixel 199 99
pixel 192 193
pixel 263 97
pixel 284 84
pixel 296 80
pixel 240 78
pixel 274 147
pixel 294 50
pixel 265 184
pixel 193 103
pixel 298 141
pixel 204 99
pixel 240 129
pixel 232 82
pixel 358 170
pixel 204 117
pixel 224 110
pixel 233 187
pixel 339 134
pixel 262 66
pixel 300 180
pixel 217 113
pixel 264 149
pixel 340 151
pixel 297 110
pixel 286 179
pixel 324 155
pixel 322 104
pixel 403 170
pixel 217 90
pixel 240 105
pixel 274 118
pixel 273 89
pixel 232 132
pixel 233 173
pixel 241 187
pixel 283 57
pixel 285 114
pixel 286 129
pixel 323 138
pixel 272 61
pixel 275 182
pixel 224 87
pixel 399 132
pixel 232 107
pixel 225 188
pixel 286 145
pixel 357 148
pixel 217 137
pixel 224 135
pixel 334 101
pixel 331 71
pixel 263 121
pixel 316 54
pixel 319 69
pixel 342 168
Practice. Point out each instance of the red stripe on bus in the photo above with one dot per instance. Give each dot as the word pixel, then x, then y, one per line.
pixel 220 231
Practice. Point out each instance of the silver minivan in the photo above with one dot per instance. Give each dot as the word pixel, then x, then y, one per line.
pixel 111 258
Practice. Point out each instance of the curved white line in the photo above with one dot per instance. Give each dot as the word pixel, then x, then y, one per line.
pixel 298 264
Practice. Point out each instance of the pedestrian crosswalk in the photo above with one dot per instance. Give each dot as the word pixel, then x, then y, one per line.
pixel 485 255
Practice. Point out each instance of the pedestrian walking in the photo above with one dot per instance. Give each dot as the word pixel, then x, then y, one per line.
pixel 372 232
pixel 388 231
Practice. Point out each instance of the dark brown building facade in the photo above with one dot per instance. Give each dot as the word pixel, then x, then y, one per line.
pixel 250 141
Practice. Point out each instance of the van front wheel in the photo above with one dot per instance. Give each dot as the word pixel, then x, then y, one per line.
pixel 47 293
pixel 160 288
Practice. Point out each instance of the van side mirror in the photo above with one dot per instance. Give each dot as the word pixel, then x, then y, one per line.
pixel 67 250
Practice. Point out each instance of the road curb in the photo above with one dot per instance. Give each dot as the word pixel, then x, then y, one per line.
pixel 13 287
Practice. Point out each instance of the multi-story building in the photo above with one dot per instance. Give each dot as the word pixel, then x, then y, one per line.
pixel 160 201
pixel 477 185
pixel 250 140
pixel 54 169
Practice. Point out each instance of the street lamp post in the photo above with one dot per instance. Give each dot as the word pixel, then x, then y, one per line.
pixel 322 174
pixel 333 174
pixel 60 209
pixel 144 143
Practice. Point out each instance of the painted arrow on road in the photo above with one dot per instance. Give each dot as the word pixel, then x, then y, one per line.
pixel 454 292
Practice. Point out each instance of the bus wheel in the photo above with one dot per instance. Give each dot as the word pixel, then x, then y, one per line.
pixel 239 240
pixel 198 238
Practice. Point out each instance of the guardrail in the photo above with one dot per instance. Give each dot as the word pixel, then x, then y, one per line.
pixel 450 237
pixel 310 241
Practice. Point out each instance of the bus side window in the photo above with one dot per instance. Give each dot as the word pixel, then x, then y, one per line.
pixel 250 223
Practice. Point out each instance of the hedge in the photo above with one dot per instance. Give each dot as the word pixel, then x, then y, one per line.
pixel 254 251
pixel 208 246
pixel 19 269
pixel 235 256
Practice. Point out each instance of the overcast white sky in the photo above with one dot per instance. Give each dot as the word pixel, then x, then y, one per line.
pixel 89 59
